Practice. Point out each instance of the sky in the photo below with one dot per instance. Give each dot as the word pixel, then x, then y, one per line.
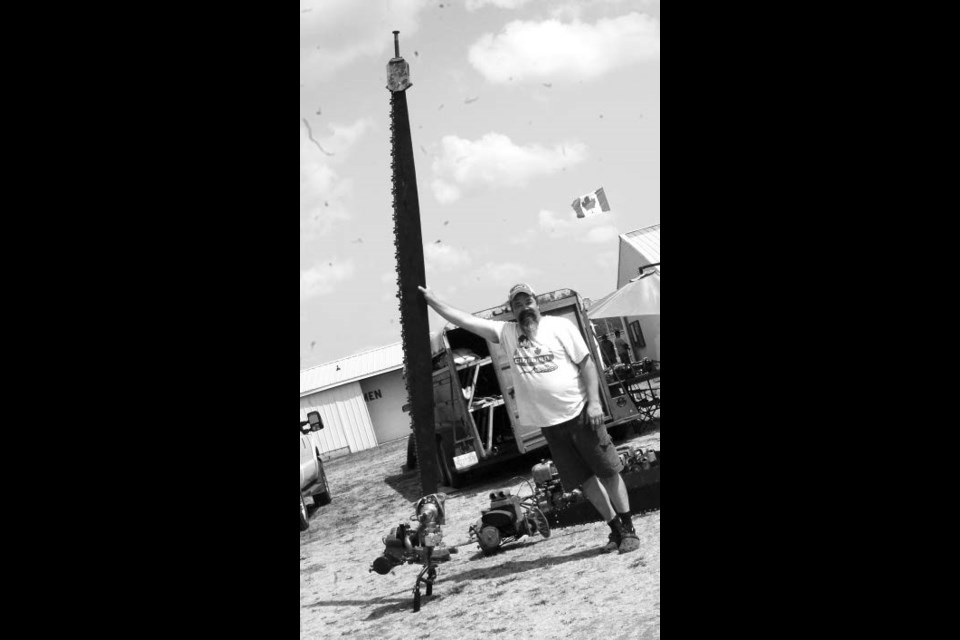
pixel 518 108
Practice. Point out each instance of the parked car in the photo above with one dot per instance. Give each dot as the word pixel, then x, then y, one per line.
pixel 314 489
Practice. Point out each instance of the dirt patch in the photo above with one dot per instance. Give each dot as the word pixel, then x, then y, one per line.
pixel 537 588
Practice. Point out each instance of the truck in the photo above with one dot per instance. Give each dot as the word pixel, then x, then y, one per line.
pixel 475 412
pixel 314 490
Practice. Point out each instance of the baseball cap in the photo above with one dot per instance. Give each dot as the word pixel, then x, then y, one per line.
pixel 520 288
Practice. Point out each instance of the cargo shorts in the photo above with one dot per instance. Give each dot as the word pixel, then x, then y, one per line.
pixel 581 451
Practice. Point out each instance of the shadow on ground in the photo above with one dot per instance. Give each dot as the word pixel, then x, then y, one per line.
pixel 520 566
pixel 406 484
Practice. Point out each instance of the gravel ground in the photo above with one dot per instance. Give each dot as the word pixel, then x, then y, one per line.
pixel 537 588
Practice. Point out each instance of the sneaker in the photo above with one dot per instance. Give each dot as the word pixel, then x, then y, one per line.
pixel 630 542
pixel 612 544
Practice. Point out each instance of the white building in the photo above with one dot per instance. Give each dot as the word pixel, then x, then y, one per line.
pixel 360 399
pixel 637 249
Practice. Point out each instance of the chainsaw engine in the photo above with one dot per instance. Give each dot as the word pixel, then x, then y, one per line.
pixel 508 519
pixel 414 544
pixel 550 497
pixel 418 544
pixel 636 459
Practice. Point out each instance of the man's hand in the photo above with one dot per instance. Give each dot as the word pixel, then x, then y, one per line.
pixel 429 296
pixel 588 371
pixel 594 415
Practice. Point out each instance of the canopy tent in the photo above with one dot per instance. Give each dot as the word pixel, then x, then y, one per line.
pixel 639 297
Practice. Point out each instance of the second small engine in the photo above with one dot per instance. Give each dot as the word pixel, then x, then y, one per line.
pixel 508 519
pixel 636 459
pixel 550 497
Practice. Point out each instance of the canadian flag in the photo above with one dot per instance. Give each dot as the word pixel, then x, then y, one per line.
pixel 592 204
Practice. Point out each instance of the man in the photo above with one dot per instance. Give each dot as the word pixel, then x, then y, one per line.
pixel 622 348
pixel 608 351
pixel 557 388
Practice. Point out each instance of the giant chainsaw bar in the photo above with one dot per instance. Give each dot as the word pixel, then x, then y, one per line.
pixel 414 322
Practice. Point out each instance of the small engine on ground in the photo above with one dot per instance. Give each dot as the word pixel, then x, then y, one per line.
pixel 508 519
pixel 550 497
pixel 636 459
pixel 418 544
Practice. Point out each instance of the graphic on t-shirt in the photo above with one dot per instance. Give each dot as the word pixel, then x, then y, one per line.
pixel 530 358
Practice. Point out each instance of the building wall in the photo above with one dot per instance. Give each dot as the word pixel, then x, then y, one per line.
pixel 630 262
pixel 650 326
pixel 346 420
pixel 385 396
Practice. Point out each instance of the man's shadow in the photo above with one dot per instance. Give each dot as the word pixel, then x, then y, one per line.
pixel 393 605
pixel 451 580
pixel 520 566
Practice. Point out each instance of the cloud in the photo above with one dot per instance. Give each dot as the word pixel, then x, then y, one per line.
pixel 599 235
pixel 570 11
pixel 346 136
pixel 341 31
pixel 527 237
pixel 495 161
pixel 323 193
pixel 505 274
pixel 473 5
pixel 442 257
pixel 574 51
pixel 444 192
pixel 323 280
pixel 559 226
pixel 573 10
pixel 608 260
pixel 567 225
pixel 338 141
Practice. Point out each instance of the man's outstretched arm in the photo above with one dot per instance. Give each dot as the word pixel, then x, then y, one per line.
pixel 487 329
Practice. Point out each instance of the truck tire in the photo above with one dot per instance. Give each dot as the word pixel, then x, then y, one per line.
pixel 489 540
pixel 323 499
pixel 304 519
pixel 451 477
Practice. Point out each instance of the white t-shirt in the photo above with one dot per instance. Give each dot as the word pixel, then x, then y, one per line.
pixel 546 377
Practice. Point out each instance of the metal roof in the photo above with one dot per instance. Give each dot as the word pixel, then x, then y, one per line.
pixel 351 369
pixel 646 241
